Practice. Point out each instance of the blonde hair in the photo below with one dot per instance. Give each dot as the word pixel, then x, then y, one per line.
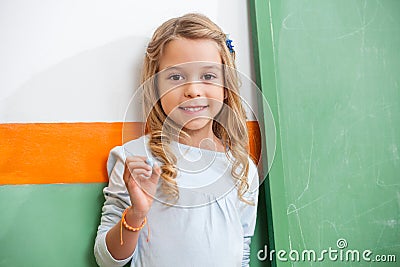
pixel 234 136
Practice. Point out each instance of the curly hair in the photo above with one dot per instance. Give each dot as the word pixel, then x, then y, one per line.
pixel 234 136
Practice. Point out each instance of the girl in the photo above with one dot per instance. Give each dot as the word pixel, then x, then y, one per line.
pixel 200 214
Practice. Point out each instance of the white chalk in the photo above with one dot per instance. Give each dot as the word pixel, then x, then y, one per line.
pixel 150 161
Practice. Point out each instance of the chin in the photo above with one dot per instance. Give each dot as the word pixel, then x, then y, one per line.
pixel 196 124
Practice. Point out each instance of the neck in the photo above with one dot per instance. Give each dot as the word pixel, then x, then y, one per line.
pixel 202 138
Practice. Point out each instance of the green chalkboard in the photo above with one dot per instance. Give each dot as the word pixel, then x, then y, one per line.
pixel 49 225
pixel 330 70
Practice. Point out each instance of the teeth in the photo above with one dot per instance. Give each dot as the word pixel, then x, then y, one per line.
pixel 193 109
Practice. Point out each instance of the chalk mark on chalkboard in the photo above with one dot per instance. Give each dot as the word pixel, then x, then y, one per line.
pixel 387 14
pixel 309 164
pixel 362 28
pixel 364 169
pixel 366 212
pixel 384 247
pixel 395 151
pixel 284 26
pixel 290 211
pixel 298 223
pixel 398 198
pixel 380 236
pixel 392 223
pixel 382 183
pixel 333 225
pixel 290 243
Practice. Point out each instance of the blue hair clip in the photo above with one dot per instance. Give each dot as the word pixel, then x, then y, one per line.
pixel 229 44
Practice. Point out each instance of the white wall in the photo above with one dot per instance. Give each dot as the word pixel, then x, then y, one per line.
pixel 79 61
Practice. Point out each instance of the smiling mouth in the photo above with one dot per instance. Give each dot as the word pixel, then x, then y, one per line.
pixel 194 109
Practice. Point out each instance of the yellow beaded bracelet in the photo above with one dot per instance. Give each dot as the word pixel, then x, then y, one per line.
pixel 130 228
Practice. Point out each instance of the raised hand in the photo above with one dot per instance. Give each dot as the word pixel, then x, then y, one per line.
pixel 141 181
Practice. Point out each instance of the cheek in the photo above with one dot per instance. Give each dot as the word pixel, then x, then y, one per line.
pixel 217 100
pixel 168 102
pixel 164 105
pixel 217 93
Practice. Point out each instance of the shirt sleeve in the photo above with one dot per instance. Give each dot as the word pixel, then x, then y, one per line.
pixel 116 201
pixel 249 213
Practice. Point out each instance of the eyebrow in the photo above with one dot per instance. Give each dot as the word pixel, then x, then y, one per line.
pixel 168 68
pixel 171 68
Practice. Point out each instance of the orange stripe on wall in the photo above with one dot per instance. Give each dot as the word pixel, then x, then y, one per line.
pixel 41 153
pixel 254 140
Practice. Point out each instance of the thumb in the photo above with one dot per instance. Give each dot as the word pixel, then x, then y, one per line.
pixel 155 175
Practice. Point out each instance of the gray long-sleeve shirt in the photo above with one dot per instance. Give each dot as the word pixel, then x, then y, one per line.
pixel 208 226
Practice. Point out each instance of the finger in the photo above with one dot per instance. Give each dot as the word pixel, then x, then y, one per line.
pixel 139 158
pixel 156 173
pixel 127 173
pixel 135 158
pixel 157 168
pixel 133 169
pixel 138 165
pixel 141 172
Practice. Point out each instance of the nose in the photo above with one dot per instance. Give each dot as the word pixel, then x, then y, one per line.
pixel 192 90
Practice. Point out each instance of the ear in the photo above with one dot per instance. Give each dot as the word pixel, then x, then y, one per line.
pixel 225 93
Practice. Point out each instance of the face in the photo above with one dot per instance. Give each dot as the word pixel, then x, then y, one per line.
pixel 190 82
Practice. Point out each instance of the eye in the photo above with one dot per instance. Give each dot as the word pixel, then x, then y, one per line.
pixel 175 77
pixel 209 76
